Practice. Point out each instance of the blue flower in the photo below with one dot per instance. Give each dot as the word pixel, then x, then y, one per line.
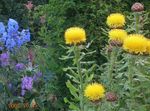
pixel 1 48
pixel 11 37
pixel 12 26
pixel 19 42
pixel 10 43
pixel 25 34
pixel 4 37
pixel 2 28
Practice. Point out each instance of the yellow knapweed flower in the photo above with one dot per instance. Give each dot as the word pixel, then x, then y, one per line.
pixel 135 43
pixel 115 20
pixel 75 35
pixel 94 91
pixel 148 47
pixel 118 35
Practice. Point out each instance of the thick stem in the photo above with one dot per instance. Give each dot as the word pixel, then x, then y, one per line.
pixel 137 27
pixel 111 67
pixel 130 78
pixel 77 61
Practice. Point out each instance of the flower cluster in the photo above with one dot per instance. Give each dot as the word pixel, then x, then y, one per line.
pixel 27 83
pixel 133 43
pixel 116 35
pixel 11 37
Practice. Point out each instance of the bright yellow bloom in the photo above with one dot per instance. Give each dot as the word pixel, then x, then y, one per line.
pixel 75 35
pixel 94 91
pixel 148 47
pixel 115 20
pixel 135 43
pixel 118 35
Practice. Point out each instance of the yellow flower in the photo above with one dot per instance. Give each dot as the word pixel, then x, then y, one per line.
pixel 115 20
pixel 148 47
pixel 94 91
pixel 75 35
pixel 135 43
pixel 118 35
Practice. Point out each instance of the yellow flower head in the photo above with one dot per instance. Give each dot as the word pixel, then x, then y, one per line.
pixel 118 35
pixel 75 35
pixel 135 43
pixel 94 91
pixel 115 20
pixel 148 47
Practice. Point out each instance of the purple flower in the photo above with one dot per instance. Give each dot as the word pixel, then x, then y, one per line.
pixel 19 66
pixel 27 83
pixel 4 59
pixel 23 92
pixel 37 76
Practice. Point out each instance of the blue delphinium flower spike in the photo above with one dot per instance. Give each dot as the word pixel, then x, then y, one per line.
pixel 2 28
pixel 12 26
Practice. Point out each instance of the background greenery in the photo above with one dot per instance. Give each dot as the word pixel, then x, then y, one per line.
pixel 47 38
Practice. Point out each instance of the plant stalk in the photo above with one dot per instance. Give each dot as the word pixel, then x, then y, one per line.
pixel 77 62
pixel 111 67
pixel 130 78
pixel 137 27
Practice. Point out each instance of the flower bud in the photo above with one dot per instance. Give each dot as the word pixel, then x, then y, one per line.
pixel 115 43
pixel 137 7
pixel 33 104
pixel 109 48
pixel 111 97
pixel 52 98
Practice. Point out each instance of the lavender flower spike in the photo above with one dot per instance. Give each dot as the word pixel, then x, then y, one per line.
pixel 19 66
pixel 4 59
pixel 37 76
pixel 27 83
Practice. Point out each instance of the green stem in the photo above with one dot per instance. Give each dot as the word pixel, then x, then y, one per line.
pixel 137 28
pixel 130 78
pixel 111 67
pixel 77 61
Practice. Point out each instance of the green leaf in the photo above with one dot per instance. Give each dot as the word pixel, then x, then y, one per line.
pixel 73 89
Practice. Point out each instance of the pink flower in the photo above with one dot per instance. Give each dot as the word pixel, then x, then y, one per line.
pixel 29 5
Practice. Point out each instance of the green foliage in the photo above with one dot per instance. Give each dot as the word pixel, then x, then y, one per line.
pixel 48 42
pixel 80 74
